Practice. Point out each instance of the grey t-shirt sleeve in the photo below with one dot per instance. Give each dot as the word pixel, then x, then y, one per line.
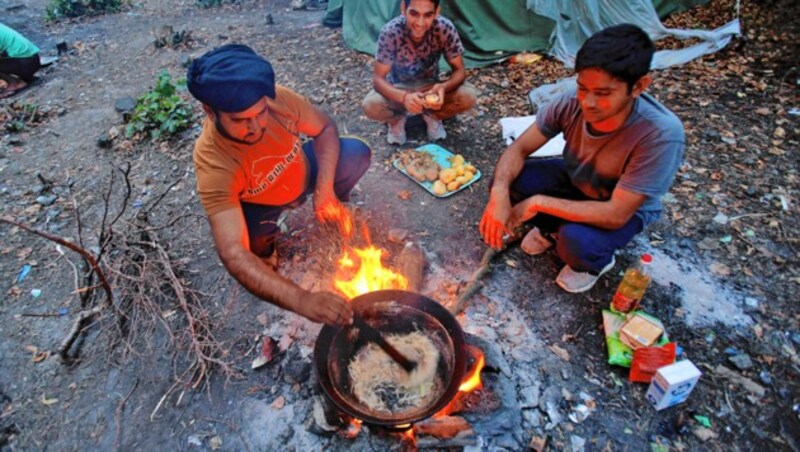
pixel 652 166
pixel 549 118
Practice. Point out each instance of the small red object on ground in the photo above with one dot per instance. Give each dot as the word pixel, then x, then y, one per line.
pixel 647 361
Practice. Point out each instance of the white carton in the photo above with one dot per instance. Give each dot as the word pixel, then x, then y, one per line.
pixel 672 384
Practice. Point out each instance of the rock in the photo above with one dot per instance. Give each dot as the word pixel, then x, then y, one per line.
pixel 577 443
pixel 52 212
pixel 742 361
pixel 125 104
pixel 796 338
pixel 507 442
pixel 296 371
pixel 704 433
pixel 720 218
pixel 46 200
pixel 62 47
pixel 529 396
pixel 552 400
pixel 104 141
pixel 751 302
pixel 580 413
pixel 708 244
pixel 532 418
pixel 16 141
pixel 317 422
pixel 537 443
pixel 185 60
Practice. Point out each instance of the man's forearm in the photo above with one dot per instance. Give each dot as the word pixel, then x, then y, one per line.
pixel 262 281
pixel 455 80
pixel 387 90
pixel 600 214
pixel 507 170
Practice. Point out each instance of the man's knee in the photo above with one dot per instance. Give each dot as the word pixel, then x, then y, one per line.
pixel 583 247
pixel 459 101
pixel 375 107
pixel 468 96
pixel 359 155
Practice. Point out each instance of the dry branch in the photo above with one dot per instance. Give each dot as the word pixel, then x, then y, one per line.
pixel 83 316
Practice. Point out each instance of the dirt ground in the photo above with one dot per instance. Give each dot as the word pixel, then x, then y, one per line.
pixel 726 272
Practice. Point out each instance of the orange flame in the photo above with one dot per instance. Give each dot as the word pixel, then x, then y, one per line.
pixel 409 436
pixel 473 381
pixel 370 275
pixel 353 428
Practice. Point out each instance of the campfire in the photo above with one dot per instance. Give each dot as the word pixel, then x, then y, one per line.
pixel 361 270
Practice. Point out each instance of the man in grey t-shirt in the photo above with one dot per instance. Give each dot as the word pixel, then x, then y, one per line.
pixel 622 151
pixel 406 75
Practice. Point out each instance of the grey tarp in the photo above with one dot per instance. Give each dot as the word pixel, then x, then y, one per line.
pixel 490 29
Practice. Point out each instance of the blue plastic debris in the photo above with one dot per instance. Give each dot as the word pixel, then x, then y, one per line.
pixel 63 311
pixel 23 272
pixel 731 351
pixel 36 293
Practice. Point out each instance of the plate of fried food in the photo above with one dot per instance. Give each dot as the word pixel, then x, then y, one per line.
pixel 437 170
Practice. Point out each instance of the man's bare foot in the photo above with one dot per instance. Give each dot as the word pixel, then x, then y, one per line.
pixel 12 87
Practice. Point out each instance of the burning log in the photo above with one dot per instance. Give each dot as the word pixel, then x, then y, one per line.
pixel 444 427
pixel 411 264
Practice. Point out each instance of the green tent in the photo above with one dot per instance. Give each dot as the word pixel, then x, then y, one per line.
pixel 490 30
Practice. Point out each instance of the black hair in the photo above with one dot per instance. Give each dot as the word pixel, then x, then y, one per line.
pixel 435 3
pixel 624 51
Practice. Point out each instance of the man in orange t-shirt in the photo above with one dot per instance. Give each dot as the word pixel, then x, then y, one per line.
pixel 252 165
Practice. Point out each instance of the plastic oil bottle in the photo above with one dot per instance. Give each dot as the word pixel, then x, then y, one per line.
pixel 631 288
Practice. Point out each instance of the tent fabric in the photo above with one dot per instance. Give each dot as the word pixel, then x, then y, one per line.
pixel 577 21
pixel 490 30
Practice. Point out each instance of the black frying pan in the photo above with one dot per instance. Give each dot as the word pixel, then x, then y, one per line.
pixel 391 312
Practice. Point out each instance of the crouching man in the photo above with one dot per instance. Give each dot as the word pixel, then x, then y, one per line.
pixel 406 75
pixel 252 164
pixel 622 151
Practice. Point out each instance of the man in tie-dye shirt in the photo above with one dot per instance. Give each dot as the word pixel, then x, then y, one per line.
pixel 406 77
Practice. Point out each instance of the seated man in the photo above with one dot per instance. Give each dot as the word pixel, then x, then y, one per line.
pixel 19 60
pixel 405 79
pixel 622 151
pixel 252 164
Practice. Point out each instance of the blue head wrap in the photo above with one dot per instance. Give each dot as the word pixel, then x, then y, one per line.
pixel 231 78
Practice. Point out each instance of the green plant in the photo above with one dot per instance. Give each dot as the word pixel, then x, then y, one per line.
pixel 19 114
pixel 57 9
pixel 161 111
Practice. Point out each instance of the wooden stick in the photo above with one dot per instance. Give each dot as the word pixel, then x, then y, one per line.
pixel 474 281
pixel 484 267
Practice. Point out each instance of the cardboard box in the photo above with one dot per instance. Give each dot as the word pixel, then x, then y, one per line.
pixel 672 384
pixel 640 331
